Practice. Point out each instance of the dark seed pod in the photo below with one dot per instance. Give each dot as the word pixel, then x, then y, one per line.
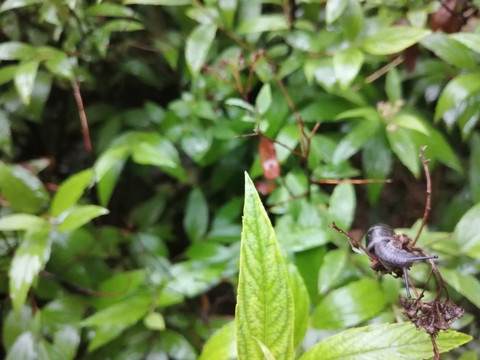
pixel 380 240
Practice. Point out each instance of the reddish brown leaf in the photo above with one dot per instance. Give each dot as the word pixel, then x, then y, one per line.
pixel 265 187
pixel 446 18
pixel 268 158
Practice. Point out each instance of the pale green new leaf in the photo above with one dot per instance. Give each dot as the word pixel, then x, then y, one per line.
pixel 265 308
pixel 402 341
pixel 470 40
pixel 393 39
pixel 221 345
pixel 17 222
pixel 197 46
pixel 70 191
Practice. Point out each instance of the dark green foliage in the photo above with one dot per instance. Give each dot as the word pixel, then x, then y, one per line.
pixel 122 161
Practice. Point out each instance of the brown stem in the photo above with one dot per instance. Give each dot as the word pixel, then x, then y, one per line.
pixel 436 353
pixel 82 115
pixel 380 72
pixel 429 193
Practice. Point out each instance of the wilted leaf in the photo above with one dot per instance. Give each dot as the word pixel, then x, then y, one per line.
pixel 268 158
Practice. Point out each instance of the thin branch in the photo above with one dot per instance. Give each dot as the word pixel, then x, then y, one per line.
pixel 380 72
pixel 352 181
pixel 354 242
pixel 425 162
pixel 436 353
pixel 82 115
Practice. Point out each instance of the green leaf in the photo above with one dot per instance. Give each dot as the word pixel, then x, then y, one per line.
pixel 221 345
pixel 197 144
pixel 302 304
pixel 113 320
pixel 403 146
pixel 438 147
pixel 80 215
pixel 474 173
pixel 266 351
pixel 347 64
pixel 5 135
pixel 450 50
pixel 265 308
pixel 264 99
pixel 17 222
pixel 122 25
pixel 456 91
pixel 70 191
pixel 25 79
pixel 107 168
pixel 333 264
pixel 154 321
pixel 262 23
pixel 7 73
pixel 23 190
pixel 195 221
pixel 153 149
pixel 355 139
pixel 197 46
pixel 23 348
pixel 14 50
pixel 15 4
pixel 393 85
pixel 352 20
pixel 472 41
pixel 467 285
pixel 393 39
pixel 334 10
pixel 14 324
pixel 29 259
pixel 342 205
pixel 349 305
pixel 467 232
pixel 240 103
pixel 410 121
pixel 377 163
pixel 159 2
pixel 400 341
pixel 106 9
